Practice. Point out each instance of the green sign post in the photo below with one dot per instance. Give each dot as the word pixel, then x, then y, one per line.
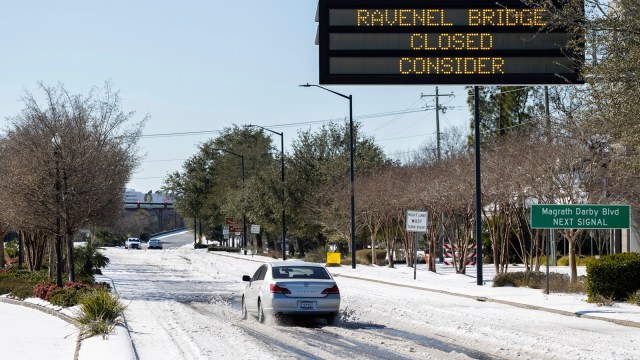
pixel 553 216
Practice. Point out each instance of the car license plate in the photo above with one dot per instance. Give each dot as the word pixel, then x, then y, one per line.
pixel 307 305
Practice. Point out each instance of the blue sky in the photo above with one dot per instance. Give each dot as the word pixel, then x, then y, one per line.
pixel 201 65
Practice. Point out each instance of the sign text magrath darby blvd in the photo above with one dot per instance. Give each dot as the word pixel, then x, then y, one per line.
pixel 552 216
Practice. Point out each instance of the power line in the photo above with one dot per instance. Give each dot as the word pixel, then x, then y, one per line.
pixel 186 133
pixel 361 117
pixel 405 137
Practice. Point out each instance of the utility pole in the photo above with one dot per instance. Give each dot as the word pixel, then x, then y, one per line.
pixel 547 114
pixel 439 156
pixel 438 108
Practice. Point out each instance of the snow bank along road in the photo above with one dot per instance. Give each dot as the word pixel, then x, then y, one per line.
pixel 185 304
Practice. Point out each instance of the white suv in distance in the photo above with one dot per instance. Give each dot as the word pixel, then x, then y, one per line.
pixel 132 243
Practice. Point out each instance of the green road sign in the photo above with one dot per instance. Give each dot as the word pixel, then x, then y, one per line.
pixel 551 216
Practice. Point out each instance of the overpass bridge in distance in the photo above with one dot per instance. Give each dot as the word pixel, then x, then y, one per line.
pixel 135 205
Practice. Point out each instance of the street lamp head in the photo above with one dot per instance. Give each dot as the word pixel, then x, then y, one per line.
pixel 306 85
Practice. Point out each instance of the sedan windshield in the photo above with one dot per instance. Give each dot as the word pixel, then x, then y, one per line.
pixel 300 272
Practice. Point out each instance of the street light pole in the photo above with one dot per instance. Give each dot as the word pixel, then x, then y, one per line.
pixel 284 228
pixel 351 152
pixel 244 215
pixel 56 157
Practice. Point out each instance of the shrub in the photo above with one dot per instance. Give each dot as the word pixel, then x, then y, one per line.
pixel 33 277
pixel 71 293
pixel 44 291
pixel 614 276
pixel 364 256
pixel 99 313
pixel 20 282
pixel 601 300
pixel 200 245
pixel 317 255
pixel 222 248
pixel 102 286
pixel 16 288
pixel 106 238
pixel 580 260
pixel 11 248
pixel 634 298
pixel 530 279
pixel 67 297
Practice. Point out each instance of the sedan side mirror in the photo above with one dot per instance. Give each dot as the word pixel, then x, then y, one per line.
pixel 246 278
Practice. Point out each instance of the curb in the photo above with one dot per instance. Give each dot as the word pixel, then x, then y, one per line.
pixel 124 319
pixel 504 302
pixel 49 312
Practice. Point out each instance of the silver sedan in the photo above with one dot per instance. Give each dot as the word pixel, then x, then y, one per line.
pixel 291 288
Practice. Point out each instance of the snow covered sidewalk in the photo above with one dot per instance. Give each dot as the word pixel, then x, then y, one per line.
pixel 29 333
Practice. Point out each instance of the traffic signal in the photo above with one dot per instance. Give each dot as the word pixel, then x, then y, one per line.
pixel 165 203
pixel 138 203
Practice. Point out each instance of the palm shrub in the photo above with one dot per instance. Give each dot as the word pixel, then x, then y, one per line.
pixel 88 260
pixel 99 312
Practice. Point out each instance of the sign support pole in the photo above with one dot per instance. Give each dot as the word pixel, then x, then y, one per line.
pixel 548 257
pixel 416 223
pixel 476 102
pixel 415 254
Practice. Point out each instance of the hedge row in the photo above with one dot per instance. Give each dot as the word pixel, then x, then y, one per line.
pixel 223 248
pixel 614 277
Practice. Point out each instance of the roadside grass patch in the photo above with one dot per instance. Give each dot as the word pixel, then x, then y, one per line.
pixel 559 283
pixel 602 300
pixel 16 288
pixel 99 312
pixel 19 282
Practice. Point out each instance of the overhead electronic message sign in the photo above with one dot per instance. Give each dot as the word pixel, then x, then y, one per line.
pixel 479 42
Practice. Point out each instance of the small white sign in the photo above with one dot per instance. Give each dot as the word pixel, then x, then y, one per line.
pixel 417 221
pixel 255 229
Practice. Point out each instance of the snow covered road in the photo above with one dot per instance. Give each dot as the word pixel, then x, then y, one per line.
pixel 185 304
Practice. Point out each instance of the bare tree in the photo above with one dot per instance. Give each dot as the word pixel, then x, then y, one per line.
pixel 68 160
